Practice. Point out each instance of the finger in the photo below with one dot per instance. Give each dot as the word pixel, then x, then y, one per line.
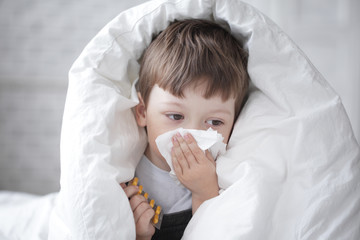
pixel 143 224
pixel 131 190
pixel 175 163
pixel 196 151
pixel 142 208
pixel 136 201
pixel 179 154
pixel 185 148
pixel 123 185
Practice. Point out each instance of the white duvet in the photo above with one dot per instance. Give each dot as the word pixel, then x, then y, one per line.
pixel 291 170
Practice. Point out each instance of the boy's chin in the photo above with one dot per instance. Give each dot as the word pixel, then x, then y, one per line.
pixel 166 166
pixel 157 159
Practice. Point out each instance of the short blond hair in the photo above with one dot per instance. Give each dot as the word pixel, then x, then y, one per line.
pixel 189 51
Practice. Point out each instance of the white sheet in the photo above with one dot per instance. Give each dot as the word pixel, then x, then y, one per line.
pixel 25 216
pixel 292 166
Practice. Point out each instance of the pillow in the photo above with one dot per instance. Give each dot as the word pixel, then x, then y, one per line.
pixel 291 170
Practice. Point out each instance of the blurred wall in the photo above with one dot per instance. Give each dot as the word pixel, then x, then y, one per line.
pixel 328 31
pixel 40 40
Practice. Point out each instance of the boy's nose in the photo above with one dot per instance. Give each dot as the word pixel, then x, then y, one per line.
pixel 195 125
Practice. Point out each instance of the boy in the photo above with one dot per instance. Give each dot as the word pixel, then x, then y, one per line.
pixel 193 75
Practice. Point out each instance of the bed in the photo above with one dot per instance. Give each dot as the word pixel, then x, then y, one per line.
pixel 291 169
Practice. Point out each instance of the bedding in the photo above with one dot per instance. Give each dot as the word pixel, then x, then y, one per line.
pixel 291 169
pixel 25 216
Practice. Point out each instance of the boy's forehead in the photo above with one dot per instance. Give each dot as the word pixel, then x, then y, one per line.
pixel 200 85
pixel 165 93
pixel 193 94
pixel 160 93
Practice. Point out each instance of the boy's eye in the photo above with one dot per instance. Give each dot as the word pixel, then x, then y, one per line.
pixel 175 116
pixel 215 122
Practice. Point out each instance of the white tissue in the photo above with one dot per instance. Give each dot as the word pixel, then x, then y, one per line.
pixel 207 140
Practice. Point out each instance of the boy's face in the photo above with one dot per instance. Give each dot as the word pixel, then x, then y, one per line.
pixel 165 112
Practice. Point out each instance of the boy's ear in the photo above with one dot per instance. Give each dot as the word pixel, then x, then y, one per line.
pixel 140 112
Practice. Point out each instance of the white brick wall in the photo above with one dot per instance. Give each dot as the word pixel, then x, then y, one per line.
pixel 30 123
pixel 328 32
pixel 39 40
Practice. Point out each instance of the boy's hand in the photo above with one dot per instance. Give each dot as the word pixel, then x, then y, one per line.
pixel 194 169
pixel 142 212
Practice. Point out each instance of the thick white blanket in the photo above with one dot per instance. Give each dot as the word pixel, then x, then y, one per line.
pixel 291 170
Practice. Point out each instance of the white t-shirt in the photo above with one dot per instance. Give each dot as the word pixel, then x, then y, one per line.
pixel 172 197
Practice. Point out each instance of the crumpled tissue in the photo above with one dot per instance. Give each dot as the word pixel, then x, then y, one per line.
pixel 207 140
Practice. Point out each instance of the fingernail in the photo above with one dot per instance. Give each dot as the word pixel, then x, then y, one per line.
pixel 178 134
pixel 187 137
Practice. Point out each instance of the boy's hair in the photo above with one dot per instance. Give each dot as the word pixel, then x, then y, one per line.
pixel 189 51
